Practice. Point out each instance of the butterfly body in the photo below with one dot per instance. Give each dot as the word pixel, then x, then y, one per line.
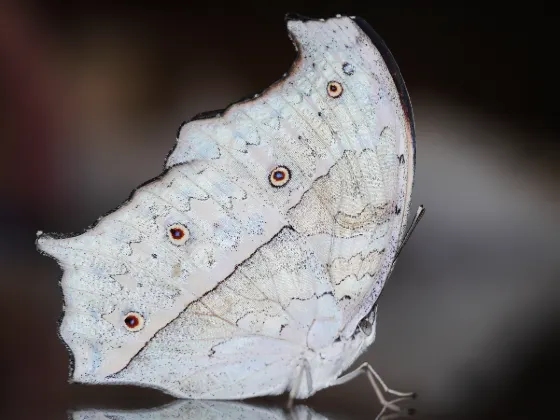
pixel 260 252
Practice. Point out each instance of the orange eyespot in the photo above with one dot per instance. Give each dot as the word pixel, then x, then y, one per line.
pixel 334 89
pixel 279 176
pixel 133 321
pixel 178 234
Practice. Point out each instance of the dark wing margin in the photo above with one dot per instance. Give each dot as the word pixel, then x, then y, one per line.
pixel 391 64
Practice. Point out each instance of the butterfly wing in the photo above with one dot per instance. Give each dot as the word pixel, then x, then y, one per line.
pixel 259 271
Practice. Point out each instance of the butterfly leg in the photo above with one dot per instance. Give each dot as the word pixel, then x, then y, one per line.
pixel 302 368
pixel 392 416
pixel 374 378
pixel 386 388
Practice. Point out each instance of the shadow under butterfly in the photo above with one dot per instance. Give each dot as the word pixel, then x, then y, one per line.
pixel 252 266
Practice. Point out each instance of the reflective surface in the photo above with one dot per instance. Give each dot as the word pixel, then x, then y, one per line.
pixel 120 403
pixel 209 410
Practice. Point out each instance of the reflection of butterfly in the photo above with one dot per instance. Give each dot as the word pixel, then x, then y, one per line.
pixel 211 410
pixel 252 265
pixel 202 410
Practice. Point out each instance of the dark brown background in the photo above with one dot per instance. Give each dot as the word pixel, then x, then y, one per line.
pixel 92 95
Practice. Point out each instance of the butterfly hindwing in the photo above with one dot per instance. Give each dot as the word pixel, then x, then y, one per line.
pixel 245 337
pixel 129 263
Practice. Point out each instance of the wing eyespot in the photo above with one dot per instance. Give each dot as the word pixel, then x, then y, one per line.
pixel 348 69
pixel 334 89
pixel 178 234
pixel 133 321
pixel 279 176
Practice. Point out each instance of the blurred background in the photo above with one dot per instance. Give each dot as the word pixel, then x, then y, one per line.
pixel 92 94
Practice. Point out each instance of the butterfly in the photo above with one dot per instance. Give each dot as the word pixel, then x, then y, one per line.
pixel 253 264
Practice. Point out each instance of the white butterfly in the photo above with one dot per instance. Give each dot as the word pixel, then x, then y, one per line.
pixel 252 265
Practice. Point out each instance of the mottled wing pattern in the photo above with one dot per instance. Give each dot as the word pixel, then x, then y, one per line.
pixel 229 270
pixel 245 336
pixel 355 215
pixel 129 263
pixel 356 206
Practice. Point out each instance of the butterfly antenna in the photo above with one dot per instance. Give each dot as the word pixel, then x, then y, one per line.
pixel 419 213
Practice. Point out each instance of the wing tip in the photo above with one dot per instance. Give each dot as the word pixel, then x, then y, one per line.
pixel 44 242
pixel 48 244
